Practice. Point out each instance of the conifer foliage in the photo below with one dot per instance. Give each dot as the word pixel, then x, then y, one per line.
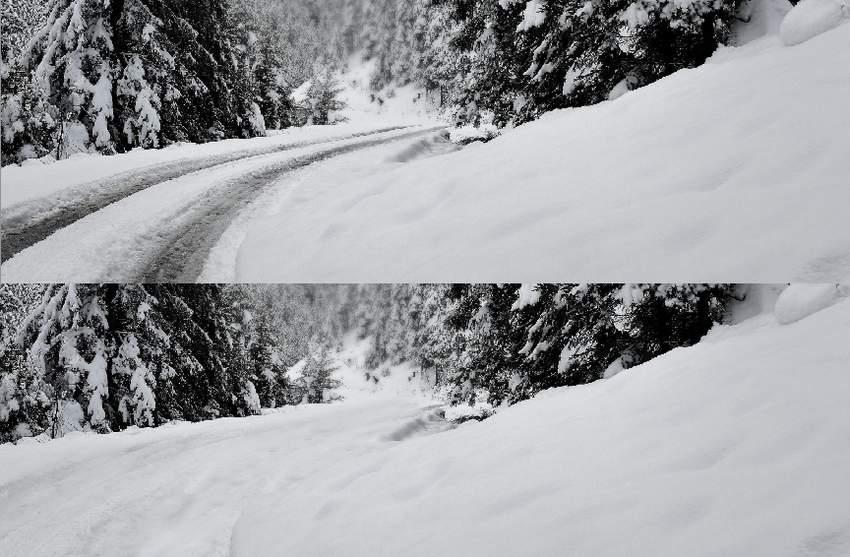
pixel 106 357
pixel 508 61
pixel 117 74
pixel 502 343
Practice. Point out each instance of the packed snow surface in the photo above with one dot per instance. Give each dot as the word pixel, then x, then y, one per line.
pixel 739 445
pixel 735 170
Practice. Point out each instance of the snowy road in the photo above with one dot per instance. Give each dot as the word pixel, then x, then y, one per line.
pixel 157 223
pixel 179 490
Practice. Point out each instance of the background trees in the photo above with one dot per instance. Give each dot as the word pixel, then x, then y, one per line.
pixel 508 61
pixel 115 75
pixel 110 76
pixel 502 343
pixel 106 357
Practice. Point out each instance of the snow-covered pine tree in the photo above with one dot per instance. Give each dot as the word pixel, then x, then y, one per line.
pixel 317 382
pixel 482 366
pixel 20 20
pixel 582 52
pixel 24 405
pixel 212 323
pixel 490 49
pixel 570 336
pixel 436 62
pixel 272 86
pixel 435 342
pixel 126 73
pixel 324 94
pixel 141 355
pixel 660 317
pixel 263 336
pixel 576 334
pixel 99 349
pixel 69 344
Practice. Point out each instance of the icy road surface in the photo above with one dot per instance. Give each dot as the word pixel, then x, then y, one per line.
pixel 158 222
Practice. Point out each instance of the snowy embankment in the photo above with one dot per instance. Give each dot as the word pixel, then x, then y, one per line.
pixel 736 446
pixel 735 170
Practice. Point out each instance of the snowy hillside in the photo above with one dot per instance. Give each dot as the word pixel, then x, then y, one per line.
pixel 735 170
pixel 736 446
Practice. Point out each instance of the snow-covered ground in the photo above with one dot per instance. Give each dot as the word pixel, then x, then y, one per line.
pixel 739 445
pixel 736 170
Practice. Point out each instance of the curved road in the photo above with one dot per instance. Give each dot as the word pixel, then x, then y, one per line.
pixel 176 249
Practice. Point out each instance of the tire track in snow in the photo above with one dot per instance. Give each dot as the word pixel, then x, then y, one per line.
pixel 184 249
pixel 32 222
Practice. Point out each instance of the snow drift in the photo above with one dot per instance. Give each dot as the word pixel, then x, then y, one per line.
pixel 735 170
pixel 810 18
pixel 736 446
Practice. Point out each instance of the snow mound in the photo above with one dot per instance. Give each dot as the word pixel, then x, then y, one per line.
pixel 799 301
pixel 469 133
pixel 810 18
pixel 735 446
pixel 758 18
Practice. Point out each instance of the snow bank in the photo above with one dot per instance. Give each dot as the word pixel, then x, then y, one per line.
pixel 810 18
pixel 736 446
pixel 469 133
pixel 798 301
pixel 735 170
pixel 759 18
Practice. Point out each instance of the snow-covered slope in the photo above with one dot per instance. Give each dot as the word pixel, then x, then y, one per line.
pixel 736 170
pixel 737 446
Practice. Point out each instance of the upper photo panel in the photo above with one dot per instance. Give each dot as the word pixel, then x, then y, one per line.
pixel 425 140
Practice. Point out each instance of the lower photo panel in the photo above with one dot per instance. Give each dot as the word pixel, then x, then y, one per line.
pixel 424 419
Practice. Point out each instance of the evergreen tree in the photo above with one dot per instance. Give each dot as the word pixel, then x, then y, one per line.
pixel 317 383
pixel 69 341
pixel 24 404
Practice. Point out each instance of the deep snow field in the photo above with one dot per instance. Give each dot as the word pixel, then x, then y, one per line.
pixel 739 445
pixel 735 170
